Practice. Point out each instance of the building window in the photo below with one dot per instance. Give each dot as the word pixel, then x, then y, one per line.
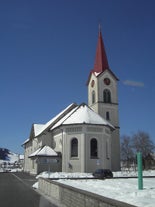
pixel 107 115
pixel 106 96
pixel 74 147
pixel 93 97
pixel 93 149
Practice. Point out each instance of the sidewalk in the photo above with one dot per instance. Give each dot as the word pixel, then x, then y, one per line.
pixel 26 178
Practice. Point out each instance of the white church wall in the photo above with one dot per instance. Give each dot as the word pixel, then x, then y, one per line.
pixel 57 136
pixel 34 166
pixel 112 86
pixel 61 142
pixel 115 150
pixel 93 86
pixel 113 113
pixel 45 139
pixel 104 149
pixel 83 162
pixel 27 161
pixel 73 164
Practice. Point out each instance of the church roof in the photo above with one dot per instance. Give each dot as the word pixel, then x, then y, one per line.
pixel 73 114
pixel 35 153
pixel 40 128
pixel 44 151
pixel 101 61
pixel 82 114
pixel 47 151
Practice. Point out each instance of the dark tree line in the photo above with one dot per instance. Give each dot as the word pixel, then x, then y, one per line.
pixel 138 142
pixel 4 154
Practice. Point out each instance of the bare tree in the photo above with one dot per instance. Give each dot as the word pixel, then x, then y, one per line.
pixel 126 148
pixel 127 155
pixel 141 142
pixel 138 142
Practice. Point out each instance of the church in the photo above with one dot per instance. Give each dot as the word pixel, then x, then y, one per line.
pixel 81 138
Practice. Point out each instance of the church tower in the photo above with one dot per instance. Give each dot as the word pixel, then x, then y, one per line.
pixel 103 97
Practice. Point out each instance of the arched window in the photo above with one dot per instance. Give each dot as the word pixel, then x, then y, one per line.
pixel 93 97
pixel 93 148
pixel 106 96
pixel 74 147
pixel 107 115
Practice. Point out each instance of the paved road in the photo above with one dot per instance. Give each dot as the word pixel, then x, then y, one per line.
pixel 16 191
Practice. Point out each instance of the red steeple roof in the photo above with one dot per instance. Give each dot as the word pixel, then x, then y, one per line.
pixel 101 61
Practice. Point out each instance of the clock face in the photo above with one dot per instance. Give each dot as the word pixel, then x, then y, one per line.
pixel 92 83
pixel 107 81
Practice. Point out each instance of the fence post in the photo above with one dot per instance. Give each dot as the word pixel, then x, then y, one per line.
pixel 140 173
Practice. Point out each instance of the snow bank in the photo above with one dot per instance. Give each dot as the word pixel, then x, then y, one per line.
pixel 60 175
pixel 125 190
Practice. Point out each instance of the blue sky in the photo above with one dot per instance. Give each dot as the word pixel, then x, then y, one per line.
pixel 47 49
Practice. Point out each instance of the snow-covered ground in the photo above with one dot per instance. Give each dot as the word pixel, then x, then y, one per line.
pixel 11 164
pixel 125 190
pixel 11 158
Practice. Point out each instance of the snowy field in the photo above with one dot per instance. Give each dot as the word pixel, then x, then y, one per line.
pixel 125 190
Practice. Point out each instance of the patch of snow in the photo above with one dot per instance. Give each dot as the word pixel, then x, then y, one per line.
pixel 38 128
pixel 133 173
pixel 16 170
pixel 47 151
pixel 60 175
pixel 21 157
pixel 97 73
pixel 11 162
pixel 55 119
pixel 82 114
pixel 122 189
pixel 44 151
pixel 35 153
pixel 13 157
pixel 125 190
pixel 27 140
pixel 35 185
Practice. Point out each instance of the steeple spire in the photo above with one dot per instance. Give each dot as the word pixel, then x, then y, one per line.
pixel 101 61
